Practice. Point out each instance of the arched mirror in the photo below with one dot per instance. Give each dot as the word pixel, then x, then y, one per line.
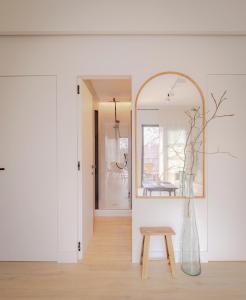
pixel 169 136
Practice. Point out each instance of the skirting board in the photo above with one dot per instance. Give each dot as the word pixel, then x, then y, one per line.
pixel 112 212
pixel 158 254
pixel 71 256
pixel 67 257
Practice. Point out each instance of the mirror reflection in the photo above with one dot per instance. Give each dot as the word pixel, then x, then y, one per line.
pixel 163 109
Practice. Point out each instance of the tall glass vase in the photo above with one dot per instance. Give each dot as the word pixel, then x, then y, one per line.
pixel 190 253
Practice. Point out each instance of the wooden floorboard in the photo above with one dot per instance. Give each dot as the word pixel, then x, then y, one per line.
pixel 107 273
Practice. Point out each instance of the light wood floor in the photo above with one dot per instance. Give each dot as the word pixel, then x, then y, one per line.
pixel 107 274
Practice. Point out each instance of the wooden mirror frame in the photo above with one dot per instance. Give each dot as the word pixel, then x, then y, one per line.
pixel 136 135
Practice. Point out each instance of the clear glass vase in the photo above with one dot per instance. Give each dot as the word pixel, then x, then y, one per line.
pixel 190 253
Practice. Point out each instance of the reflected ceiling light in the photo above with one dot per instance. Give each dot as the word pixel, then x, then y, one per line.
pixel 170 94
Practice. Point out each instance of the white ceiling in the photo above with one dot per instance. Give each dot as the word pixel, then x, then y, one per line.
pixel 107 89
pixel 182 92
pixel 122 17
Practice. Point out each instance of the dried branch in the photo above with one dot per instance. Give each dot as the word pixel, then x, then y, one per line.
pixel 193 143
pixel 226 115
pixel 217 152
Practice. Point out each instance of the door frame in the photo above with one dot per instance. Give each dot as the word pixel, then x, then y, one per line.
pixel 80 78
pixel 79 172
pixel 80 237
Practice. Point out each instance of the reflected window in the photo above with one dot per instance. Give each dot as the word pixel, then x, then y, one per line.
pixel 175 154
pixel 162 154
pixel 150 152
pixel 123 147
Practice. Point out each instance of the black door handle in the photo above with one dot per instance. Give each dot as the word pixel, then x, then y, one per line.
pixel 2 169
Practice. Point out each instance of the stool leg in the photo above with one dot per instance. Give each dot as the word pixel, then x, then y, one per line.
pixel 142 250
pixel 165 241
pixel 145 256
pixel 171 254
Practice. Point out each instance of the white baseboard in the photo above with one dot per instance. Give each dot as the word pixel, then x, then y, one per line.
pixel 71 256
pixel 112 212
pixel 158 254
pixel 67 257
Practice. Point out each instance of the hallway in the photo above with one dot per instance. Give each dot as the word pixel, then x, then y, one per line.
pixel 111 242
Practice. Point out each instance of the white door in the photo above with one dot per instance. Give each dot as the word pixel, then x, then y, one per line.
pixel 87 164
pixel 28 205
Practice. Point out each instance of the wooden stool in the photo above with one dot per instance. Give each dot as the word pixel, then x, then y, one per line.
pixel 167 233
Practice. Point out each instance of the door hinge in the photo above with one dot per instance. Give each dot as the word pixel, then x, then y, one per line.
pixel 78 165
pixel 78 89
pixel 79 246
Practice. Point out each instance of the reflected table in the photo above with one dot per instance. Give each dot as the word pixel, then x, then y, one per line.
pixel 159 187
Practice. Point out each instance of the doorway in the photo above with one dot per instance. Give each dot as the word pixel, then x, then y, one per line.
pixel 104 153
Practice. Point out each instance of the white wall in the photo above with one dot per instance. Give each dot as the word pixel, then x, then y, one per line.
pixel 117 16
pixel 226 175
pixel 140 57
